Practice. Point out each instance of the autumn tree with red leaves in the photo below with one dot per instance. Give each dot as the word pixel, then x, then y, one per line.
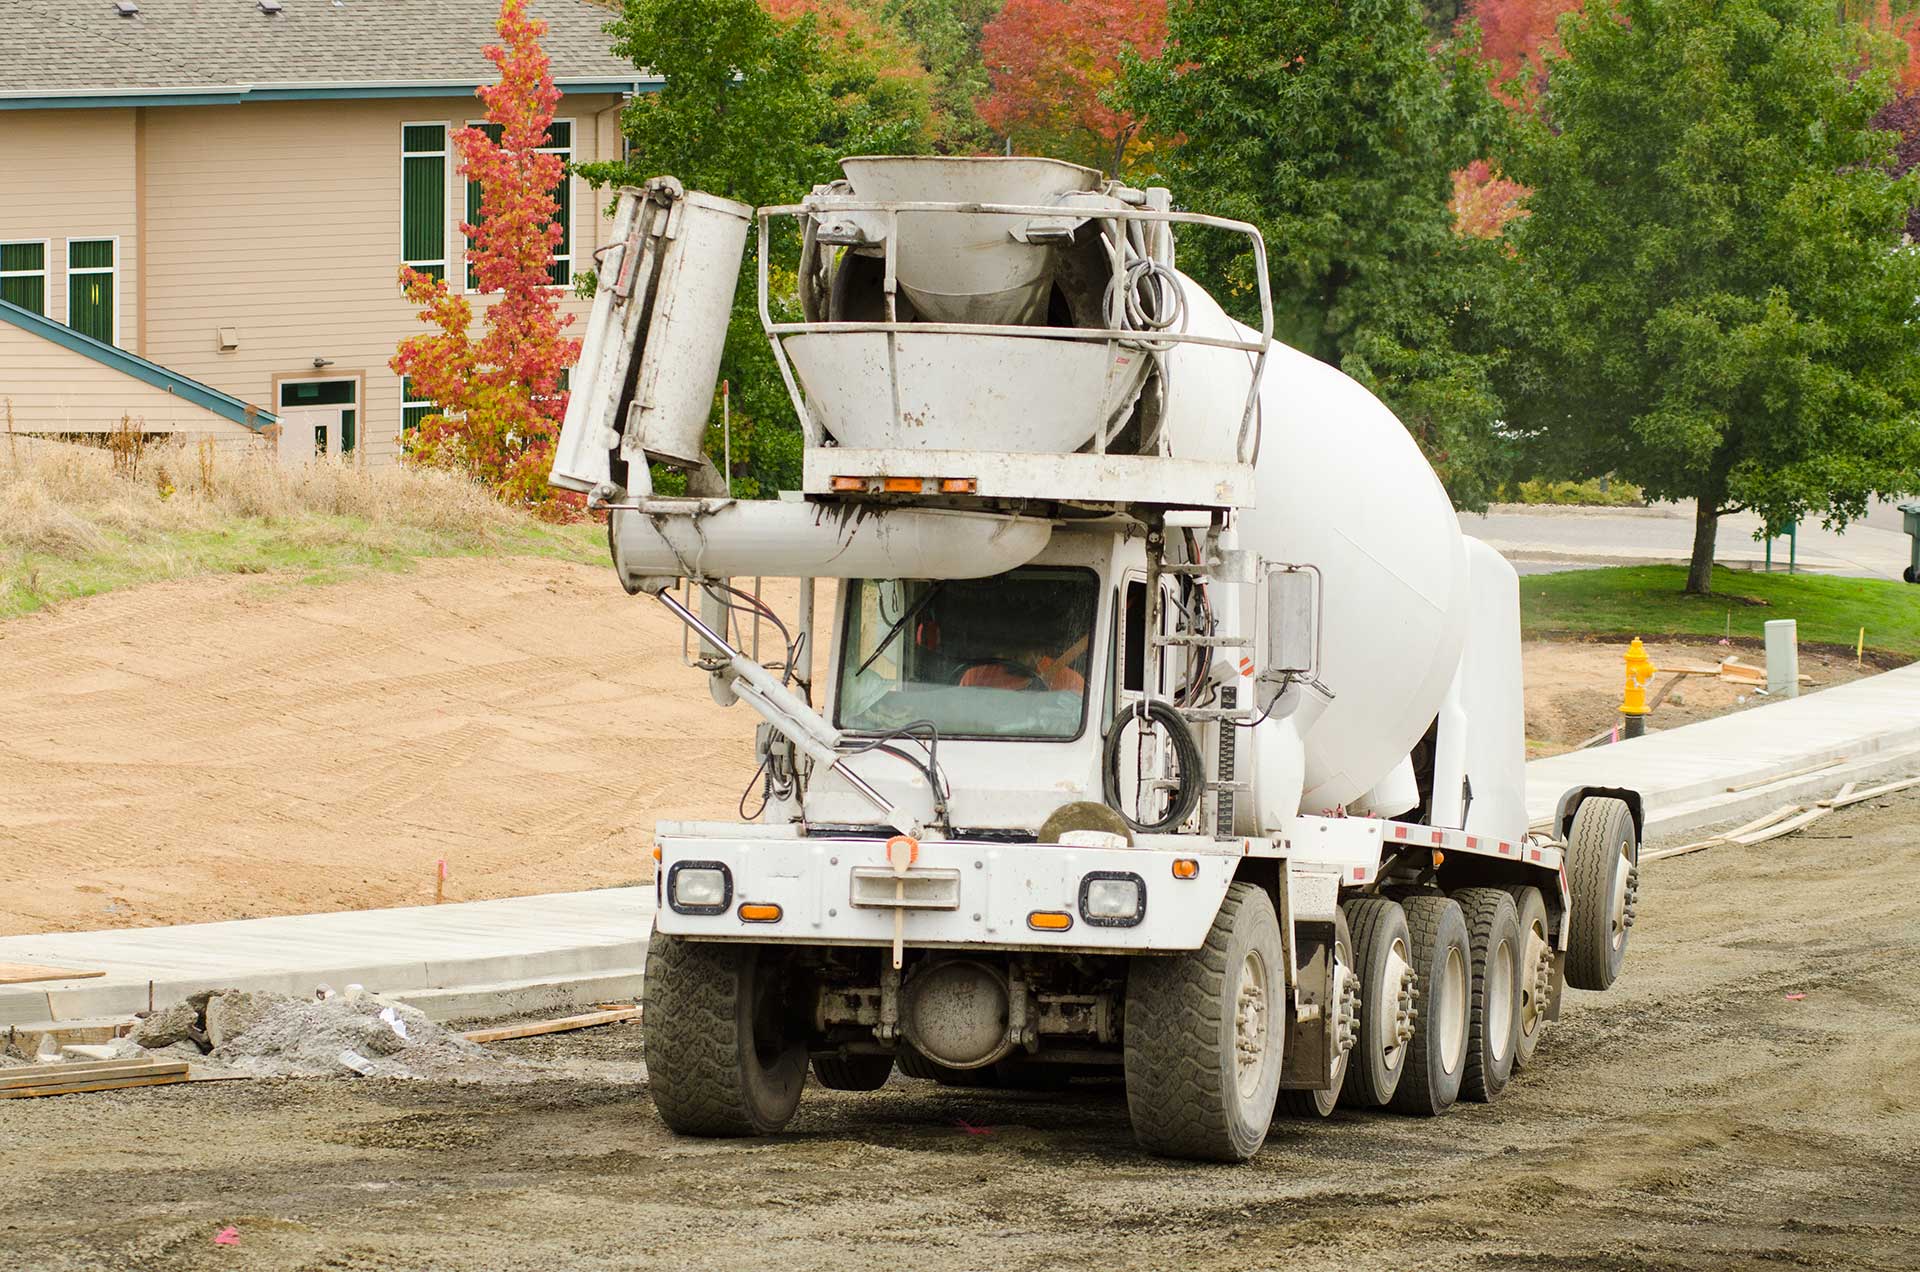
pixel 498 398
pixel 1053 64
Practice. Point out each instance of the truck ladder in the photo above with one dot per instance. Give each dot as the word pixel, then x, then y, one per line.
pixel 1225 784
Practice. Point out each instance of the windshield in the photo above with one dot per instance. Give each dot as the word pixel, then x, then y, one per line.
pixel 1004 657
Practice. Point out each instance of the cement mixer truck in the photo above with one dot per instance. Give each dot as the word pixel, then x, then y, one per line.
pixel 1167 727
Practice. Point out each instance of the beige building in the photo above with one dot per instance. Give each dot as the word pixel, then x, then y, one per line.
pixel 204 204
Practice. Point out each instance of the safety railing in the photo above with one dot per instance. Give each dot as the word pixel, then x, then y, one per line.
pixel 1116 334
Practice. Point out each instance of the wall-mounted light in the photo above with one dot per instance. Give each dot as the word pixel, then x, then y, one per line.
pixel 322 362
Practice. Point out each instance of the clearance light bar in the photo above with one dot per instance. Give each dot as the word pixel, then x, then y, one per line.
pixel 906 485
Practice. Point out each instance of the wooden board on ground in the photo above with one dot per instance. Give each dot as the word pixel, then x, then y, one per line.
pixel 22 973
pixel 92 1075
pixel 535 1028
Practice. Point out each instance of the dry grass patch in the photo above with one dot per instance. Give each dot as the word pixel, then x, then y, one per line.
pixel 77 520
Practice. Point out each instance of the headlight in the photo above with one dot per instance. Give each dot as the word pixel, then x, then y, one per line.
pixel 699 887
pixel 1110 898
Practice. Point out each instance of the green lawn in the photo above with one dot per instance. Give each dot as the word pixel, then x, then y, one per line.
pixel 310 547
pixel 1646 601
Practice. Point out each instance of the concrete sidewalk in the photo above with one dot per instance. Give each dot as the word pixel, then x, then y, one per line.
pixel 456 961
pixel 1855 732
pixel 563 950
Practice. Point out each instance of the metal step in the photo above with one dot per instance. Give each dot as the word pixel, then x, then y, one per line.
pixel 1218 713
pixel 1206 642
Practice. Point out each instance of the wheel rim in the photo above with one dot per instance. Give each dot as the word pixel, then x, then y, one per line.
pixel 1500 999
pixel 1449 1008
pixel 1250 1015
pixel 1622 872
pixel 1347 998
pixel 1393 1009
pixel 1536 962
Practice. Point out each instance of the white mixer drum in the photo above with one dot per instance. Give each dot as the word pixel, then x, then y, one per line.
pixel 1340 485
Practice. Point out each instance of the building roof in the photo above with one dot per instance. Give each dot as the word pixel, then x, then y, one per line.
pixel 170 52
pixel 203 395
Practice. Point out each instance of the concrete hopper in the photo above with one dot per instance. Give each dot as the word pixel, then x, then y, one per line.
pixel 961 268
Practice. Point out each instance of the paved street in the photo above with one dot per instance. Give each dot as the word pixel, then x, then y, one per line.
pixel 1541 538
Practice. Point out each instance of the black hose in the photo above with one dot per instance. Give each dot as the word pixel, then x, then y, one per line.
pixel 1186 796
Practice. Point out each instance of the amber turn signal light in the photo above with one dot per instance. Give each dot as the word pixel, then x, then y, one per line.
pixel 1049 921
pixel 848 483
pixel 958 485
pixel 1185 868
pixel 759 912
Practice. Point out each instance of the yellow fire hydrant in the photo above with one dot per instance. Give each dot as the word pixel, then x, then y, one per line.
pixel 1633 704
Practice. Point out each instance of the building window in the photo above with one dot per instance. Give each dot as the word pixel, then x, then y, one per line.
pixel 559 142
pixel 423 198
pixel 91 275
pixel 23 275
pixel 413 409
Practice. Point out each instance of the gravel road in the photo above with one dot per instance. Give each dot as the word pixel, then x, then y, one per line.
pixel 1745 1097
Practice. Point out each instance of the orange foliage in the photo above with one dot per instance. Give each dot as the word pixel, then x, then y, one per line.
pixel 1053 64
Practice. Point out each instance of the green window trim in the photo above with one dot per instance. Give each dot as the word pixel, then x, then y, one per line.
pixel 93 276
pixel 423 198
pixel 560 134
pixel 23 274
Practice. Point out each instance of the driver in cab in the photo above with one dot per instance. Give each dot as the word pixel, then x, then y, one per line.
pixel 1039 666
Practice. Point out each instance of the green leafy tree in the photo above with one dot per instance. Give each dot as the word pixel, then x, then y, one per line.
pixel 1336 129
pixel 759 104
pixel 1715 301
pixel 948 34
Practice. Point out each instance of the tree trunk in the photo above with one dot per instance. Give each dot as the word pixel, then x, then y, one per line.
pixel 1706 525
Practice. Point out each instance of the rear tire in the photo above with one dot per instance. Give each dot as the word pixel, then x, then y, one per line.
pixel 1493 1030
pixel 1206 1030
pixel 1442 967
pixel 1321 1103
pixel 721 1057
pixel 1603 870
pixel 1383 960
pixel 915 1065
pixel 1536 971
pixel 852 1073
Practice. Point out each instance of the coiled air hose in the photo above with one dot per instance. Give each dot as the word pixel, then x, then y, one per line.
pixel 1186 796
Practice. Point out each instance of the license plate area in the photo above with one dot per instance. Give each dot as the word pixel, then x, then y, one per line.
pixel 874 887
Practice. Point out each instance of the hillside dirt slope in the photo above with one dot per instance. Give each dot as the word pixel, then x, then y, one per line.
pixel 1743 1097
pixel 231 747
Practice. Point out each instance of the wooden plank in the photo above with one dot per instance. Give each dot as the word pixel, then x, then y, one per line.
pixel 37 1074
pixel 1783 828
pixel 22 973
pixel 1661 854
pixel 1874 792
pixel 534 1029
pixel 1838 795
pixel 98 1084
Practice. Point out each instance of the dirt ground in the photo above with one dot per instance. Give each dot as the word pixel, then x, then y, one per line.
pixel 233 747
pixel 1743 1098
pixel 1574 687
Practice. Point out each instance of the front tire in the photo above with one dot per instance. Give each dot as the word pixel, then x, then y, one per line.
pixel 1205 1035
pixel 1493 1030
pixel 1603 870
pixel 1442 968
pixel 722 1059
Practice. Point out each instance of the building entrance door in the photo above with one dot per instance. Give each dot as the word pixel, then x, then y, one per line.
pixel 319 419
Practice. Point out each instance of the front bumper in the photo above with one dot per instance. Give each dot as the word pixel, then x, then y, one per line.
pixel 958 895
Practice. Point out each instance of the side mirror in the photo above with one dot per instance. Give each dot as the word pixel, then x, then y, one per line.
pixel 1293 623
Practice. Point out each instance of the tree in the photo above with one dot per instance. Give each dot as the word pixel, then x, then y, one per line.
pixel 1054 64
pixel 498 399
pixel 1715 300
pixel 947 34
pixel 1518 35
pixel 759 103
pixel 1336 129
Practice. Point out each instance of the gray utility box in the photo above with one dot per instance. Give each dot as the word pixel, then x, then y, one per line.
pixel 1910 522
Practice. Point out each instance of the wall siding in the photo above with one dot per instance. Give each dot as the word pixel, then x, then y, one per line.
pixel 47 388
pixel 71 174
pixel 283 220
